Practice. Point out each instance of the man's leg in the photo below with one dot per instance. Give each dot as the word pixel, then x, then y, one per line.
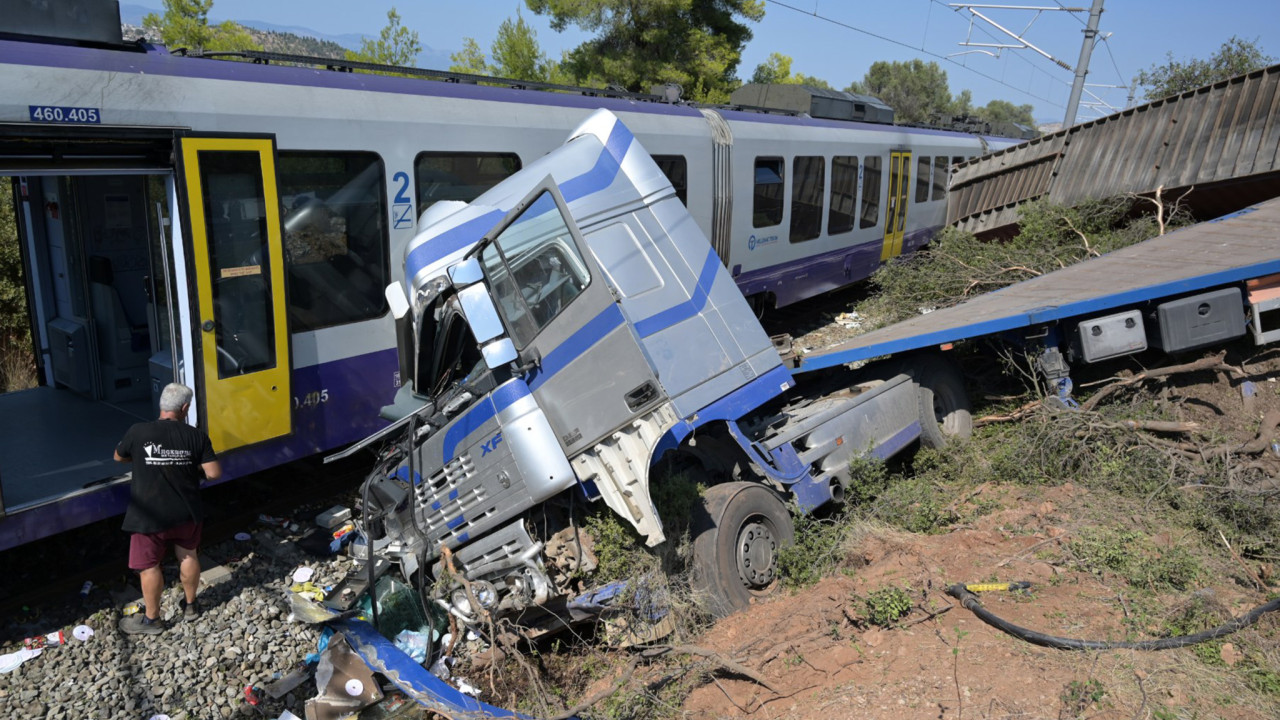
pixel 152 584
pixel 186 544
pixel 145 553
pixel 189 571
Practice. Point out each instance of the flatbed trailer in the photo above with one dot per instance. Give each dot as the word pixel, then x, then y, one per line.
pixel 1240 250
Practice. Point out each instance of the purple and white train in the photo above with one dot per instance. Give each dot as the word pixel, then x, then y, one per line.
pixel 232 225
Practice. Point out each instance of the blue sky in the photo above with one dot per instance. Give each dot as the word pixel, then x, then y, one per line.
pixel 1142 32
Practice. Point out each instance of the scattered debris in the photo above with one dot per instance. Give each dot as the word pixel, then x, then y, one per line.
pixel 11 661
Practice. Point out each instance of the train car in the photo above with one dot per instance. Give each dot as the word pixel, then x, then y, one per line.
pixel 233 225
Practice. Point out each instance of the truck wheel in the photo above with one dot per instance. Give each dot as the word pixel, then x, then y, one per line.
pixel 944 406
pixel 736 544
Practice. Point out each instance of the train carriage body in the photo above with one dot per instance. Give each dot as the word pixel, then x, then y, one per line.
pixel 233 225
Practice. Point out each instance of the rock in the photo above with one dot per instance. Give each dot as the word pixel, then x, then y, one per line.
pixel 1230 655
pixel 874 637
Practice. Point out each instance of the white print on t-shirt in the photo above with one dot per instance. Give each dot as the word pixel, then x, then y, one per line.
pixel 157 454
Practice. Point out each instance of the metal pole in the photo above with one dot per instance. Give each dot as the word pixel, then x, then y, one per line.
pixel 1082 67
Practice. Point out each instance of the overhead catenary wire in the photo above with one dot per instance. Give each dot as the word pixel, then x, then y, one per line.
pixel 985 31
pixel 909 46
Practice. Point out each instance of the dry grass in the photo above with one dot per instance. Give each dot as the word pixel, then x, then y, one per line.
pixel 17 367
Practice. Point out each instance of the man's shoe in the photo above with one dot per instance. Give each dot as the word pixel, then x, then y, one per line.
pixel 138 624
pixel 190 611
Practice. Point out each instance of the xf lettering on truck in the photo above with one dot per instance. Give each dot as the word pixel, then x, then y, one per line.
pixel 491 445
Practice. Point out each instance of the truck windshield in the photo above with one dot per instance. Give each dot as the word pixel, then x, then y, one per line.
pixel 534 269
pixel 447 351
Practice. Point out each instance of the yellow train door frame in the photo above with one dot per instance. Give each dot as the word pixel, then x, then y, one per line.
pixel 895 216
pixel 232 210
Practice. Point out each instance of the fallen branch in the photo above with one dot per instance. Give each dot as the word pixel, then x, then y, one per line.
pixel 718 659
pixel 1257 581
pixel 931 615
pixel 617 685
pixel 1211 362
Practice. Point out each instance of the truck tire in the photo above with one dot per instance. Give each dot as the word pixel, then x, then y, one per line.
pixel 736 544
pixel 944 406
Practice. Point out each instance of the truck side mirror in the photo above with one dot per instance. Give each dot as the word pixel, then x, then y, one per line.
pixel 467 272
pixel 481 315
pixel 499 353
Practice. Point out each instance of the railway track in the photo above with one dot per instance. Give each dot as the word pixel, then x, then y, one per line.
pixel 51 571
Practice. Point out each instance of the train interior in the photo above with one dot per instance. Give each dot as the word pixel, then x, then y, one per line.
pixel 98 289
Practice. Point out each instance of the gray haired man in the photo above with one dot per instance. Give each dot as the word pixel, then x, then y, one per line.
pixel 170 461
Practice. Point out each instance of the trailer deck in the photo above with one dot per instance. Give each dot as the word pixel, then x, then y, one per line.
pixel 1231 249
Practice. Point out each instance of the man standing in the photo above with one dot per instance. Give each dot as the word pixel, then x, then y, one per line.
pixel 170 461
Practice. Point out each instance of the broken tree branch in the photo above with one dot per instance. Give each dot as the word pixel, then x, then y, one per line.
pixel 720 660
pixel 1211 362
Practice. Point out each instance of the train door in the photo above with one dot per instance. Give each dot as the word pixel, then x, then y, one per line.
pixel 232 210
pixel 895 219
pixel 95 290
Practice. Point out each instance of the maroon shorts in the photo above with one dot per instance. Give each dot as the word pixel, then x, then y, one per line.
pixel 146 550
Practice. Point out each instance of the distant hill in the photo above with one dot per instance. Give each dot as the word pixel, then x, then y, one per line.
pixel 270 40
pixel 293 39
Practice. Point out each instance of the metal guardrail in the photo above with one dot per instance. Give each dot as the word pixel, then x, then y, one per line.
pixel 1203 140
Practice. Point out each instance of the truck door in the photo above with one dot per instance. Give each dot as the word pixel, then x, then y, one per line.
pixel 587 371
pixel 895 220
pixel 233 222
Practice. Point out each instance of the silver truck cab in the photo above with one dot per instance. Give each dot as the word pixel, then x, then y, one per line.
pixel 560 333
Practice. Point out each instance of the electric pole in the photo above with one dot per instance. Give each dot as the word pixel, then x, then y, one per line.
pixel 1082 67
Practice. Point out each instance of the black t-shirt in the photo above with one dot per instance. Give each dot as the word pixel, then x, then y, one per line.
pixel 167 455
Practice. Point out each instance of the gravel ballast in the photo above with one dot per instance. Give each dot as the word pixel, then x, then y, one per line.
pixel 196 668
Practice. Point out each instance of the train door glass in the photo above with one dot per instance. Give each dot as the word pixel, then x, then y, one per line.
pixel 233 215
pixel 896 211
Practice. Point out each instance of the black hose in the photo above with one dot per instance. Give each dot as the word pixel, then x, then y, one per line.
pixel 970 601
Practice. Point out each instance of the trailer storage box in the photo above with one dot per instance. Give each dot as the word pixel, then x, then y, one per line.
pixel 1112 336
pixel 1199 320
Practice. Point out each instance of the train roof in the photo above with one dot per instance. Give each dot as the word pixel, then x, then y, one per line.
pixel 248 66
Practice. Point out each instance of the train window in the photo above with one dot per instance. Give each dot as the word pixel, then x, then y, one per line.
pixel 534 269
pixel 808 186
pixel 923 163
pixel 766 207
pixel 871 171
pixel 459 176
pixel 676 168
pixel 844 195
pixel 335 236
pixel 940 170
pixel 235 213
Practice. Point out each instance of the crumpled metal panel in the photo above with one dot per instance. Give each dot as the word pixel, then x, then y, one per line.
pixel 345 684
pixel 1208 140
pixel 429 691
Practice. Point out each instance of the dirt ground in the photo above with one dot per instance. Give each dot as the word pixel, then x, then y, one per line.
pixel 813 646
pixel 816 648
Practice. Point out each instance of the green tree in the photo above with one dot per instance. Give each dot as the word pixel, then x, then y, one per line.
pixel 777 69
pixel 516 53
pixel 1003 111
pixel 186 24
pixel 395 45
pixel 470 59
pixel 16 368
pixel 696 44
pixel 916 90
pixel 1234 57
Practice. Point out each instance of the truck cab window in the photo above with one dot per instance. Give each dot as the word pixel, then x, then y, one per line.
pixel 534 269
